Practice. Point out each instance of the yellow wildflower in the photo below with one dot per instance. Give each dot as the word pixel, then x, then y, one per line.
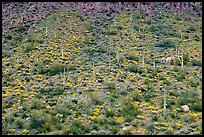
pixel 193 115
pixel 135 104
pixel 25 131
pixel 18 93
pixel 92 117
pixel 79 102
pixel 164 124
pixel 69 84
pixel 151 107
pixel 25 95
pixel 4 95
pixel 48 107
pixel 178 124
pixel 95 113
pixel 155 123
pixel 25 99
pixel 119 119
pixel 138 90
pixel 140 117
pixel 12 130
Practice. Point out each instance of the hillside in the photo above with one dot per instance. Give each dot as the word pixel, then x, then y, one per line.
pixel 103 73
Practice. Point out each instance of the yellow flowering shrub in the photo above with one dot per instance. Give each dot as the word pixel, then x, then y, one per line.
pixel 119 119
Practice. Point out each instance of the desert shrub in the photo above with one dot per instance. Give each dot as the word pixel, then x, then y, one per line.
pixel 189 97
pixel 197 106
pixel 120 58
pixel 110 85
pixel 195 62
pixel 191 28
pixel 166 44
pixel 110 121
pixel 127 132
pixel 71 67
pixel 40 65
pixel 112 32
pixel 196 37
pixel 21 29
pixel 89 25
pixel 177 63
pixel 6 53
pixel 19 123
pixel 185 59
pixel 28 47
pixel 132 56
pixel 56 68
pixel 193 83
pixel 37 120
pixel 8 36
pixel 86 40
pixel 180 77
pixel 100 132
pixel 114 129
pixel 36 105
pixel 129 118
pixel 135 96
pixel 73 130
pixel 17 37
pixel 55 92
pixel 150 94
pixel 109 113
pixel 167 82
pixel 134 68
pixel 97 97
pixel 103 49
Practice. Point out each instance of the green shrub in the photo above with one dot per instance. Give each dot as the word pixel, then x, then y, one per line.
pixel 86 41
pixel 180 77
pixel 6 53
pixel 149 95
pixel 111 85
pixel 103 49
pixel 185 59
pixel 130 117
pixel 193 83
pixel 17 38
pixel 41 67
pixel 19 123
pixel 114 129
pixel 132 56
pixel 36 105
pixel 195 62
pixel 71 67
pixel 127 132
pixel 135 96
pixel 99 132
pixel 89 25
pixel 166 44
pixel 177 63
pixel 134 68
pixel 37 120
pixel 56 68
pixel 191 28
pixel 8 36
pixel 28 47
pixel 109 113
pixel 21 29
pixel 97 97
pixel 73 130
pixel 197 106
pixel 112 32
pixel 121 58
